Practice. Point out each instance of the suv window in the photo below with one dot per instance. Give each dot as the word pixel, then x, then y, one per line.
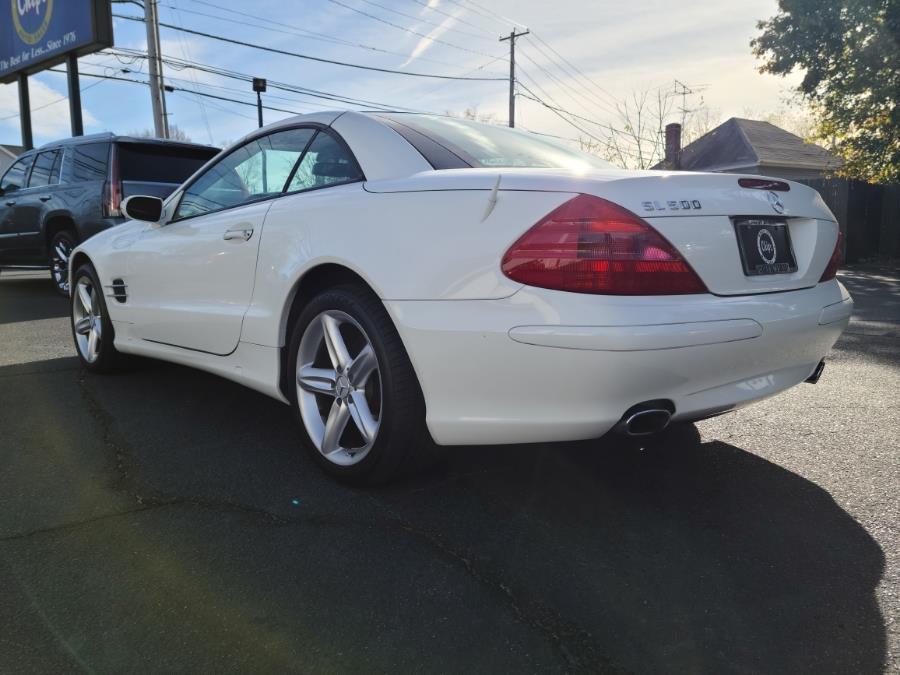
pixel 253 171
pixel 157 163
pixel 57 166
pixel 326 162
pixel 43 168
pixel 14 178
pixel 85 162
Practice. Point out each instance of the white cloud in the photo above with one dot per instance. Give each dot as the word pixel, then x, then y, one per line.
pixel 426 42
pixel 49 111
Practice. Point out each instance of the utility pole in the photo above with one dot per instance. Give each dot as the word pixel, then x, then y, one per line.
pixel 157 93
pixel 512 72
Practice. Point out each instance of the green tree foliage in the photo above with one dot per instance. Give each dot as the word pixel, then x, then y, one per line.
pixel 849 52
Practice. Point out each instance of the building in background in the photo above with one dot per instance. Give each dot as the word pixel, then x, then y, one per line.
pixel 752 146
pixel 8 154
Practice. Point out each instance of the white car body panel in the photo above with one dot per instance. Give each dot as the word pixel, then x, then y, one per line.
pixel 498 362
pixel 484 386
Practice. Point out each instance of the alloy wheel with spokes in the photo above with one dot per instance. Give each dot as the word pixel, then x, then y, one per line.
pixel 87 319
pixel 60 252
pixel 339 387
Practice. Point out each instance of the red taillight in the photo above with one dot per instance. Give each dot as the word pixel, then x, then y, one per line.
pixel 590 245
pixel 835 261
pixel 112 188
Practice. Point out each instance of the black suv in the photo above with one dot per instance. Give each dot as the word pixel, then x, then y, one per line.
pixel 55 197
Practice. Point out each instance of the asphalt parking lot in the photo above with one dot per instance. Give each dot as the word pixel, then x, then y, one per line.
pixel 165 520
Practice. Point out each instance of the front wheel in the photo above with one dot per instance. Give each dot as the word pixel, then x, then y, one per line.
pixel 92 328
pixel 360 406
pixel 61 247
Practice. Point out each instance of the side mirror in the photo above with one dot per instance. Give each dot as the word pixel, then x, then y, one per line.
pixel 148 209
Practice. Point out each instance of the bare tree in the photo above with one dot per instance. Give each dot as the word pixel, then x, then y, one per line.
pixel 636 139
pixel 473 114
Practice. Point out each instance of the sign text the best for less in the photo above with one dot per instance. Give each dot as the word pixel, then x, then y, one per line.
pixel 36 34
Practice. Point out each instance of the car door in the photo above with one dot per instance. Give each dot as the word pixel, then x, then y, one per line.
pixel 32 203
pixel 11 187
pixel 191 279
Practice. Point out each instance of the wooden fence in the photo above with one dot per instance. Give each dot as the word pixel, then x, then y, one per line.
pixel 869 216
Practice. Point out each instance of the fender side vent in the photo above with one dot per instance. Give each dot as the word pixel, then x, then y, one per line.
pixel 118 290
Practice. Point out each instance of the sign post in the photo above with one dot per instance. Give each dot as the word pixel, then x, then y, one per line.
pixel 74 94
pixel 25 112
pixel 38 34
pixel 259 86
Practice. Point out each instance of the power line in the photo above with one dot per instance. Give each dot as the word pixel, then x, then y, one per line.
pixel 172 88
pixel 425 21
pixel 54 102
pixel 575 68
pixel 179 64
pixel 480 13
pixel 584 92
pixel 571 91
pixel 458 19
pixel 558 112
pixel 319 59
pixel 289 29
pixel 405 29
pixel 559 108
pixel 185 53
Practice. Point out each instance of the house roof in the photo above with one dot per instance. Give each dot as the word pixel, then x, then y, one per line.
pixel 739 143
pixel 12 150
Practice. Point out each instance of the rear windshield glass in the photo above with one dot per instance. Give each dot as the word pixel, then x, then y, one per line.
pixel 152 163
pixel 485 145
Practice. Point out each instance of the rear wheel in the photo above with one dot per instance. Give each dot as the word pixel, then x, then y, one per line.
pixel 91 326
pixel 61 247
pixel 355 391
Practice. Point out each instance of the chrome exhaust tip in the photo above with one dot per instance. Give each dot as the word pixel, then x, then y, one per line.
pixel 817 373
pixel 645 419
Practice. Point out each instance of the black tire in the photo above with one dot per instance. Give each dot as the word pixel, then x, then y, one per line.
pixel 108 359
pixel 402 444
pixel 61 246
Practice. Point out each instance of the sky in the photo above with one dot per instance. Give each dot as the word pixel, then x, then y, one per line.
pixel 612 50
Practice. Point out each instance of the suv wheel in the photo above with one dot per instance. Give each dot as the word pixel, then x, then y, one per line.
pixel 61 247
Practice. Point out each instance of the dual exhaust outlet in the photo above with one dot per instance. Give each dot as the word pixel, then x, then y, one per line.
pixel 652 417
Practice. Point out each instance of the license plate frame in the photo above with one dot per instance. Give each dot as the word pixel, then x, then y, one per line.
pixel 765 246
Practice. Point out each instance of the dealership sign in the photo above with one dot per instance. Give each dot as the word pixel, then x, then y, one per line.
pixel 36 34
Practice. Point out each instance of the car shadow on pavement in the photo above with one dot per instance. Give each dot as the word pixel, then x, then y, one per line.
pixel 689 556
pixel 29 297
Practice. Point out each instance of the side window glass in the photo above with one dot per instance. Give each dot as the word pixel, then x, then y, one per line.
pixel 85 162
pixel 57 165
pixel 327 162
pixel 14 179
pixel 43 166
pixel 254 171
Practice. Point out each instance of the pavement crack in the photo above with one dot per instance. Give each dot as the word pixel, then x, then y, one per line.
pixel 62 527
pixel 574 644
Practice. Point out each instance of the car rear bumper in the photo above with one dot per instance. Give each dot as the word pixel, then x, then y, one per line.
pixel 550 366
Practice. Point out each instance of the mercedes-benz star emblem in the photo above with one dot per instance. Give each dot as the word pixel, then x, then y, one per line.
pixel 776 202
pixel 765 244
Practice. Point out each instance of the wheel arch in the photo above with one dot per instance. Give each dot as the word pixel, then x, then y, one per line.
pixel 58 222
pixel 312 281
pixel 79 258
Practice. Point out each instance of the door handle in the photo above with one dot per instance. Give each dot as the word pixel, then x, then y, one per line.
pixel 11 203
pixel 240 233
pixel 45 198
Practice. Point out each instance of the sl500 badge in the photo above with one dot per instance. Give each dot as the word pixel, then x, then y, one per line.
pixel 672 205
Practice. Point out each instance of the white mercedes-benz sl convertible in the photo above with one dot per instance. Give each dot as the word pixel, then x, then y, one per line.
pixel 409 281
